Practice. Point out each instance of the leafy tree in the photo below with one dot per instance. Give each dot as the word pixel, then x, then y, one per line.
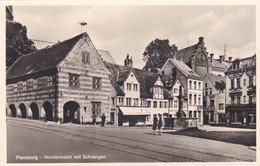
pixel 17 42
pixel 157 53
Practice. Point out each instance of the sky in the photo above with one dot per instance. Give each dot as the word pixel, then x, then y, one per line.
pixel 123 30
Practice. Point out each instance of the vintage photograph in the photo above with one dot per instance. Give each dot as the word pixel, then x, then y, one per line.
pixel 130 83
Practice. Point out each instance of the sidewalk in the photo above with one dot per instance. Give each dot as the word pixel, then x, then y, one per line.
pixel 222 128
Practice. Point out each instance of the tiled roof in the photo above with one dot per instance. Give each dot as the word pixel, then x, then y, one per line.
pixel 249 62
pixel 217 64
pixel 186 53
pixel 218 81
pixel 182 67
pixel 40 44
pixel 42 60
pixel 106 56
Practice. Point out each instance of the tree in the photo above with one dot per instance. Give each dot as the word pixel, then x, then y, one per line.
pixel 157 53
pixel 17 42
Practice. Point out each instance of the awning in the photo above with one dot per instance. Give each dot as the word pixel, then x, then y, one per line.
pixel 134 111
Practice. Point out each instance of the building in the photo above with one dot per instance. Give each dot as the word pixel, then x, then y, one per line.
pixel 9 13
pixel 192 84
pixel 241 92
pixel 136 94
pixel 66 82
pixel 214 99
pixel 196 57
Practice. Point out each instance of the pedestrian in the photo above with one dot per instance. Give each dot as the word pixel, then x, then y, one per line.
pixel 94 117
pixel 103 118
pixel 155 120
pixel 160 124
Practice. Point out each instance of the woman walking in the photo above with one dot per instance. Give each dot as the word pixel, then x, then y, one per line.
pixel 155 120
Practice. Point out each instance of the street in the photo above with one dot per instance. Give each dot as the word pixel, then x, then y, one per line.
pixel 32 141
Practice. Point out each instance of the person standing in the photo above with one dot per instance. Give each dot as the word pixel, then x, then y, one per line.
pixel 103 118
pixel 94 117
pixel 155 121
pixel 160 124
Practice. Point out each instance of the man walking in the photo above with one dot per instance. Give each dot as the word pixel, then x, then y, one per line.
pixel 155 120
pixel 160 124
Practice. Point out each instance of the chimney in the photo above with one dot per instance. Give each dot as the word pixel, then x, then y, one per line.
pixel 201 40
pixel 229 59
pixel 211 57
pixel 220 58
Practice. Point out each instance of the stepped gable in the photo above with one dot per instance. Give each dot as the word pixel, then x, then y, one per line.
pixel 42 60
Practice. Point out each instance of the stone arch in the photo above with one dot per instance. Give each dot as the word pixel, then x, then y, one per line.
pixel 35 111
pixel 69 110
pixel 48 109
pixel 22 108
pixel 12 110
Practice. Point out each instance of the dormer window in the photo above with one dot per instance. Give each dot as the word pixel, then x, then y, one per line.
pixel 86 57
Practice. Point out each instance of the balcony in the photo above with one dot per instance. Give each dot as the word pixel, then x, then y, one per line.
pixel 235 90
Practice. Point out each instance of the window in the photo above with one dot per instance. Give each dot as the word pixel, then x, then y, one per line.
pixel 50 81
pixel 96 83
pixel 195 85
pixel 74 80
pixel 190 114
pixel 112 100
pixel 221 106
pixel 85 57
pixel 136 100
pixel 128 86
pixel 190 98
pixel 155 90
pixel 244 98
pixel 149 104
pixel 175 103
pixel 190 84
pixel 206 85
pixel 251 81
pixel 238 82
pixel 15 87
pixel 195 99
pixel 154 104
pixel 206 93
pixel 24 86
pixel 170 104
pixel 232 100
pixel 244 82
pixel 128 101
pixel 199 100
pixel 238 99
pixel 135 87
pixel 120 101
pixel 199 85
pixel 210 91
pixel 96 108
pixel 35 84
pixel 161 104
pixel 175 90
pixel 142 103
pixel 195 114
pixel 212 104
pixel 232 84
pixel 165 104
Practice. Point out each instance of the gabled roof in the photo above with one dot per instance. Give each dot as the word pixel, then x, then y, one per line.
pixel 186 53
pixel 218 81
pixel 249 62
pixel 42 60
pixel 106 56
pixel 182 67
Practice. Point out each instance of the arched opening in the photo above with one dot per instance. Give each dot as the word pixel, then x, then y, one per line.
pixel 69 111
pixel 35 111
pixel 13 110
pixel 23 110
pixel 48 111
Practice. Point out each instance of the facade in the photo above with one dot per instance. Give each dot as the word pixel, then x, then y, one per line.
pixel 136 94
pixel 214 99
pixel 67 82
pixel 241 92
pixel 192 84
